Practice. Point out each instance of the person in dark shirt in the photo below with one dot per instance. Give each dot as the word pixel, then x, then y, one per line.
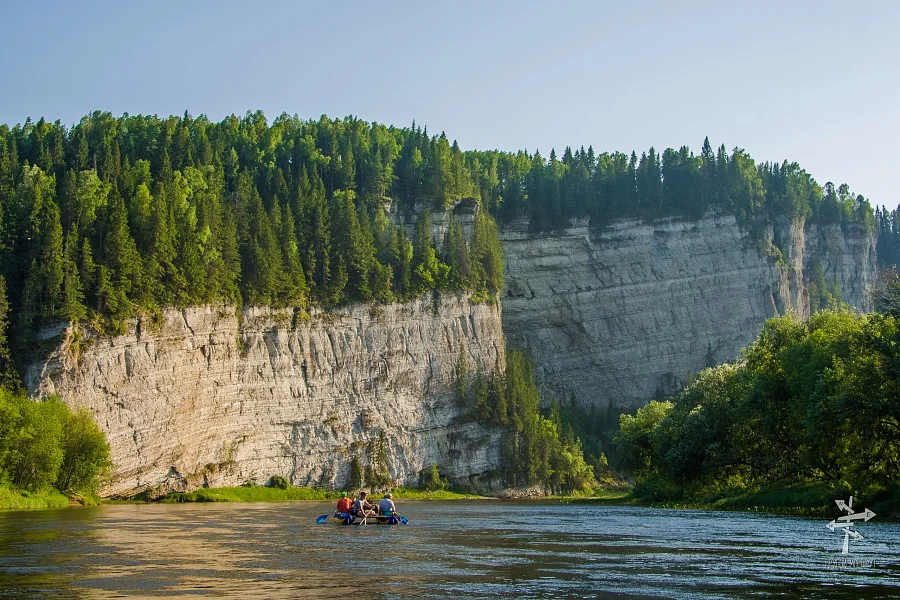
pixel 362 507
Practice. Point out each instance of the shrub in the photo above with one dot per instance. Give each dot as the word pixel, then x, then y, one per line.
pixel 356 475
pixel 85 453
pixel 279 482
pixel 43 444
pixel 430 479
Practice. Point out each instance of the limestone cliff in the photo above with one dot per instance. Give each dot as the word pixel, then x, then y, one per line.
pixel 203 397
pixel 616 316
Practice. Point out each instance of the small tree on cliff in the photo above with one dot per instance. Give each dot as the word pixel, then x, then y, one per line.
pixel 377 474
pixel 356 475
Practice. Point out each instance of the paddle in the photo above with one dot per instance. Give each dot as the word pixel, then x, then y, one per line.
pixel 322 519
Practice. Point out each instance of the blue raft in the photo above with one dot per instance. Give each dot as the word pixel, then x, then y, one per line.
pixel 343 518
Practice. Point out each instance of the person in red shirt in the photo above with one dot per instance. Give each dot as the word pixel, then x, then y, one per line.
pixel 344 504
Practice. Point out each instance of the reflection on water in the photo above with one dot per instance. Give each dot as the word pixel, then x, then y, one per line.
pixel 469 549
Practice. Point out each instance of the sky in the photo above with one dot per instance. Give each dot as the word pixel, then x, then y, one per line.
pixel 816 82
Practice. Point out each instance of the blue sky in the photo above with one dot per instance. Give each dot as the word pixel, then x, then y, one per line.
pixel 816 82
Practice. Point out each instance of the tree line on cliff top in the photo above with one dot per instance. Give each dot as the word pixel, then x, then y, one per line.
pixel 119 215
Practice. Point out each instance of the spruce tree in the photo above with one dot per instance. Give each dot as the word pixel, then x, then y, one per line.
pixel 8 377
pixel 294 290
pixel 73 308
pixel 456 255
pixel 122 276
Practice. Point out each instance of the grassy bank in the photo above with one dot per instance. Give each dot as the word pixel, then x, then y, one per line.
pixel 807 500
pixel 15 499
pixel 417 494
pixel 266 494
pixel 612 495
pixel 251 494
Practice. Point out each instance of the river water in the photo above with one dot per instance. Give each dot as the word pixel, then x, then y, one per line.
pixel 484 549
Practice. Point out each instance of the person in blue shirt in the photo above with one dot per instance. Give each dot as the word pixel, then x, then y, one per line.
pixel 386 506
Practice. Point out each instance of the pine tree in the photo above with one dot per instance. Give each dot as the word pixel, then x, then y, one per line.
pixel 231 258
pixel 294 290
pixel 87 270
pixel 260 254
pixel 121 278
pixel 161 268
pixel 428 273
pixel 8 377
pixel 186 191
pixel 456 255
pixel 73 308
pixel 351 234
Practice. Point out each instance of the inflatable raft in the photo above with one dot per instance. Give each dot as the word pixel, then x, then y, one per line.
pixel 342 518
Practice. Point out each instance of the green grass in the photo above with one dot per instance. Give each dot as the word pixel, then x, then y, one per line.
pixel 403 493
pixel 265 494
pixel 11 498
pixel 251 494
pixel 814 500
pixel 807 499
pixel 618 494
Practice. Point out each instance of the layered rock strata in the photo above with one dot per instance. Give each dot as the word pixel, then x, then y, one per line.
pixel 206 398
pixel 617 316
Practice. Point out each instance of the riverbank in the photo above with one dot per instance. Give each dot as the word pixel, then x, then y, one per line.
pixel 802 500
pixel 15 499
pixel 294 494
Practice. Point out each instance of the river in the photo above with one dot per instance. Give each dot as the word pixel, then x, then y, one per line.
pixel 483 549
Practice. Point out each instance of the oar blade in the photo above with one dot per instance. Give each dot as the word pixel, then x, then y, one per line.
pixel 321 519
pixel 404 520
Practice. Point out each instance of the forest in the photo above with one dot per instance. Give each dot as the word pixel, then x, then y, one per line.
pixel 537 447
pixel 810 406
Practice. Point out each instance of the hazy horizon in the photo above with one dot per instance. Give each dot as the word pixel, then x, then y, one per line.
pixel 813 82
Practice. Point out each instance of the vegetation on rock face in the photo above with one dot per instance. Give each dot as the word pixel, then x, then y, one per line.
pixel 810 405
pixel 537 449
pixel 46 446
pixel 430 479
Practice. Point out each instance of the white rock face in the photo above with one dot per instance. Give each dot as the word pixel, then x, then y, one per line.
pixel 615 316
pixel 204 398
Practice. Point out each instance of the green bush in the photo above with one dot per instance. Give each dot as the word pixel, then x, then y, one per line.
pixel 44 444
pixel 85 453
pixel 279 482
pixel 430 479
